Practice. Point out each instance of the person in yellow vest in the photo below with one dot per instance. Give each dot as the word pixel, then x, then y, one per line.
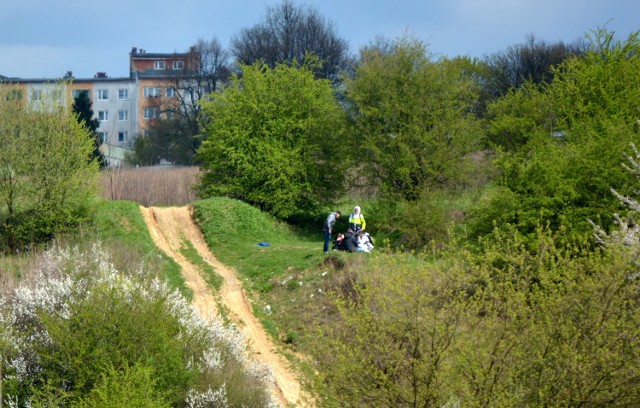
pixel 356 220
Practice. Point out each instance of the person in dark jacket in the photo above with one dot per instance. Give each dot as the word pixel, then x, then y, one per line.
pixel 328 228
pixel 350 241
pixel 338 244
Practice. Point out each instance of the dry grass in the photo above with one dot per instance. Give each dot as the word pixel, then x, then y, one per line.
pixel 150 186
pixel 17 268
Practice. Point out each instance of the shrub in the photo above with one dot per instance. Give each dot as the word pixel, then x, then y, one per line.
pixel 131 387
pixel 515 325
pixel 47 174
pixel 82 325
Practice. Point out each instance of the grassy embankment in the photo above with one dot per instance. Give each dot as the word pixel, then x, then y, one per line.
pixel 288 278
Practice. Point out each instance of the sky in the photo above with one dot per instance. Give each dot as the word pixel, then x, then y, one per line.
pixel 46 38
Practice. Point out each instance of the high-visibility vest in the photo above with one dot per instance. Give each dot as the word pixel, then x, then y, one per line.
pixel 357 222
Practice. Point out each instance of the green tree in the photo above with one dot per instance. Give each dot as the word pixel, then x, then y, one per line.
pixel 46 174
pixel 168 139
pixel 272 139
pixel 414 117
pixel 83 109
pixel 561 142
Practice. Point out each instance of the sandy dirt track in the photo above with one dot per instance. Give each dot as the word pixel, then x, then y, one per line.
pixel 168 228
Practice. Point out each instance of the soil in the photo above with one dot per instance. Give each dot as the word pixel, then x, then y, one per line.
pixel 168 228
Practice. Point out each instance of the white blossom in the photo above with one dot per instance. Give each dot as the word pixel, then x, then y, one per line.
pixel 217 398
pixel 67 277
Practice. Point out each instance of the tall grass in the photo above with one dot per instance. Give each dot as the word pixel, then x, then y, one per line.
pixel 150 186
pixel 15 268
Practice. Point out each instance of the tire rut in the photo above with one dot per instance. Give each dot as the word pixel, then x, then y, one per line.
pixel 168 228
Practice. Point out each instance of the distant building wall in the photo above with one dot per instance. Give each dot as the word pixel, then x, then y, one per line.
pixel 121 105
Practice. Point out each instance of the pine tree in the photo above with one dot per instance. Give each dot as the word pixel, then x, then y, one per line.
pixel 84 111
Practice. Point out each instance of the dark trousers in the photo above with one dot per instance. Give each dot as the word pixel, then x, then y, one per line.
pixel 327 240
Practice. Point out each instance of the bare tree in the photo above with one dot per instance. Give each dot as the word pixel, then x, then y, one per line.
pixel 288 33
pixel 174 136
pixel 208 69
pixel 532 61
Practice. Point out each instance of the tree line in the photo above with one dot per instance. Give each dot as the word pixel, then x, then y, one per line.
pixel 291 34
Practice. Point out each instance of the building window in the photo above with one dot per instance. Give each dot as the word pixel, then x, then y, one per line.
pixel 77 92
pixel 151 113
pixel 101 137
pixel 36 95
pixel 171 92
pixel 122 136
pixel 103 94
pixel 152 91
pixel 158 65
pixel 123 94
pixel 178 64
pixel 123 115
pixel 103 116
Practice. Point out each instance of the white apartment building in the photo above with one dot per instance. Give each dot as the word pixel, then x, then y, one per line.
pixel 125 106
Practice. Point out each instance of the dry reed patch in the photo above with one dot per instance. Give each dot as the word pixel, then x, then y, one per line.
pixel 150 186
pixel 16 268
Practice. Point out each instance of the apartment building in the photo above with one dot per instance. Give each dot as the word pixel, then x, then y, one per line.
pixel 125 107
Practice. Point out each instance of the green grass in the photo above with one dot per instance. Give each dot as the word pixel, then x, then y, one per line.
pixel 211 277
pixel 120 226
pixel 287 279
pixel 233 231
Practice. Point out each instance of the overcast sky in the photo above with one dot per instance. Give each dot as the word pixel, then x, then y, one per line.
pixel 46 38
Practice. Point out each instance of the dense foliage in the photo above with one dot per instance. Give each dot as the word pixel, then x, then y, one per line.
pixel 414 120
pixel 507 327
pixel 83 333
pixel 272 140
pixel 47 173
pixel 562 143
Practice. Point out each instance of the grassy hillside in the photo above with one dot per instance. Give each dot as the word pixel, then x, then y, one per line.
pixel 288 277
pixel 234 230
pixel 121 227
pixel 509 325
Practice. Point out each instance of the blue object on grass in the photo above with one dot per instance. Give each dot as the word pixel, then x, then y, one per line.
pixel 262 243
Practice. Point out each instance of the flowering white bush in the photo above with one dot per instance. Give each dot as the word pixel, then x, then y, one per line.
pixel 207 398
pixel 78 301
pixel 628 232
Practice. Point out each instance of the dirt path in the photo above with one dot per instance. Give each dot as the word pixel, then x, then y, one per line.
pixel 168 227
